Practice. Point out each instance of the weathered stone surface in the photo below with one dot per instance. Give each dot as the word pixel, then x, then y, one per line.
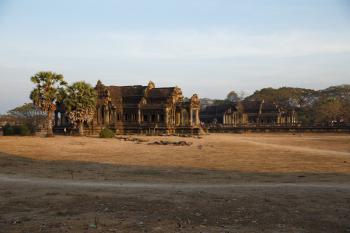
pixel 142 110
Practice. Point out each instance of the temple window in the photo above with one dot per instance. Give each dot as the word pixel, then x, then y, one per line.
pixel 153 118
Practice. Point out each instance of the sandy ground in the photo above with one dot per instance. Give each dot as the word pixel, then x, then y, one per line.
pixel 221 183
pixel 245 153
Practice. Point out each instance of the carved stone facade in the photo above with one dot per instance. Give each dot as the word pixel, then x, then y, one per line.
pixel 141 109
pixel 248 113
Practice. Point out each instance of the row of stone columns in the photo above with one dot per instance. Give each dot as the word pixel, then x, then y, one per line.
pixel 104 116
pixel 196 116
pixel 189 120
pixel 230 119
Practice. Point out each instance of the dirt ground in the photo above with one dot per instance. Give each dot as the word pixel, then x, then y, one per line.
pixel 220 183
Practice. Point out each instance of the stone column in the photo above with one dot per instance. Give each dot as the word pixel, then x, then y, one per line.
pixel 182 118
pixel 178 118
pixel 197 117
pixel 139 116
pixel 106 115
pixel 114 116
pixel 191 116
pixel 166 120
pixel 98 114
pixel 170 116
pixel 174 116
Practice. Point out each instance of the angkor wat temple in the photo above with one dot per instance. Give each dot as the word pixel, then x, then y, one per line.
pixel 248 113
pixel 139 109
pixel 164 110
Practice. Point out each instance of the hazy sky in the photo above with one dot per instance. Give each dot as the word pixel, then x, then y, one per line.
pixel 207 47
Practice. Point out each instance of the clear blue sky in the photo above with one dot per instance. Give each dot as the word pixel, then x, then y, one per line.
pixel 207 47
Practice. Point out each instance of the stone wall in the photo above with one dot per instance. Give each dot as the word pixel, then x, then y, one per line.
pixel 267 129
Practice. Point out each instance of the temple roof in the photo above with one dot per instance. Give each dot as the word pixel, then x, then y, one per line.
pixel 126 94
pixel 254 106
pixel 162 92
pixel 134 94
pixel 250 106
pixel 219 109
pixel 244 106
pixel 270 107
pixel 124 91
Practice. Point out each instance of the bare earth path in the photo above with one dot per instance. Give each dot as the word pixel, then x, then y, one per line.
pixel 60 183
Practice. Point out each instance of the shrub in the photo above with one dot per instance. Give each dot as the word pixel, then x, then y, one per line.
pixel 22 130
pixel 33 128
pixel 8 130
pixel 107 133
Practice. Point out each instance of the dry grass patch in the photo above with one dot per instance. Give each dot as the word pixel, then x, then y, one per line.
pixel 322 153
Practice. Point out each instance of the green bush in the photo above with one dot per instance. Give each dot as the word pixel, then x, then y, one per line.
pixel 107 133
pixel 22 130
pixel 8 130
pixel 33 128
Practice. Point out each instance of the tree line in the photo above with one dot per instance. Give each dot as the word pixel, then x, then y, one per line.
pixel 328 107
pixel 50 89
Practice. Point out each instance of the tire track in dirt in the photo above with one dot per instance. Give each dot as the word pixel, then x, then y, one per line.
pixel 63 183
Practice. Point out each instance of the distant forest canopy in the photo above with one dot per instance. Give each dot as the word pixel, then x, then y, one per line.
pixel 313 106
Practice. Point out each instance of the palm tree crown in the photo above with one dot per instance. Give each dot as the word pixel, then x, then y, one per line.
pixel 80 103
pixel 49 90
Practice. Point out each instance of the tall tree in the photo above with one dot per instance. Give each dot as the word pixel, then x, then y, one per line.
pixel 232 96
pixel 81 104
pixel 330 110
pixel 28 114
pixel 48 91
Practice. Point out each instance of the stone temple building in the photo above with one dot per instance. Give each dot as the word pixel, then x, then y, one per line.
pixel 140 109
pixel 246 113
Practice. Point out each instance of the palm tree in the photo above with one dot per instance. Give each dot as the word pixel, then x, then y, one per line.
pixel 80 103
pixel 48 91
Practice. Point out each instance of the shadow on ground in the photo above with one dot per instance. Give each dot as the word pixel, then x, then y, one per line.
pixel 64 169
pixel 33 208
